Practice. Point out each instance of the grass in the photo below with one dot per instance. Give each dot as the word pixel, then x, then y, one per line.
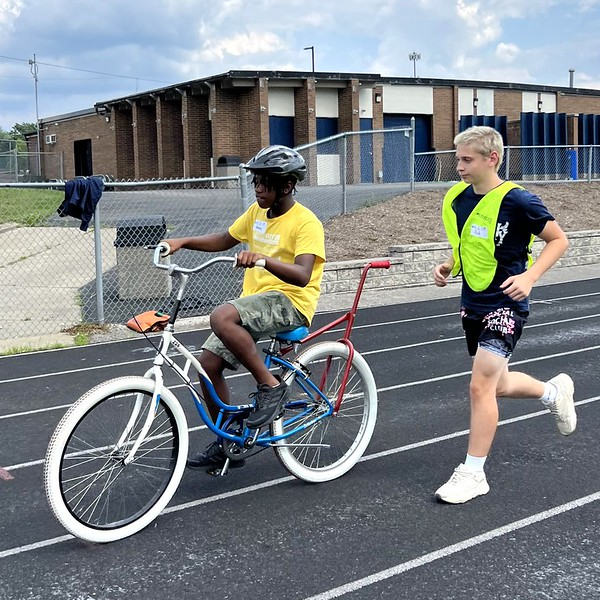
pixel 81 337
pixel 27 206
pixel 82 333
pixel 23 349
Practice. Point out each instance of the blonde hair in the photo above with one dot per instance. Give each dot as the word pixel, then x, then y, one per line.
pixel 484 141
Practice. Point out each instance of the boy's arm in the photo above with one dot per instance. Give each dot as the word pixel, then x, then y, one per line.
pixel 518 287
pixel 299 273
pixel 213 242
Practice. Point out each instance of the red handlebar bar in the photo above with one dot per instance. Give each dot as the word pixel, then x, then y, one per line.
pixel 380 264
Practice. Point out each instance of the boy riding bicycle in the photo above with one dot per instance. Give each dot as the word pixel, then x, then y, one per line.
pixel 281 296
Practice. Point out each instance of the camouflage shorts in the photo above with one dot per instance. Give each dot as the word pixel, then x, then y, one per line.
pixel 261 315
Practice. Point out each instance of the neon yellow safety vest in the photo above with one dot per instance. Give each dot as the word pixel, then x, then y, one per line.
pixel 473 250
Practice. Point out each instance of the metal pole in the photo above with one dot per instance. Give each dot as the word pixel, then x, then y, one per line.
pixel 98 255
pixel 34 71
pixel 344 174
pixel 414 56
pixel 312 58
pixel 411 155
pixel 244 191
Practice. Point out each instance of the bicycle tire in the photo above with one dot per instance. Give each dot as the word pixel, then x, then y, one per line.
pixel 93 494
pixel 347 434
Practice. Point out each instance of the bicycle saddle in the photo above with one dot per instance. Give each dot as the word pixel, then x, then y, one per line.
pixel 294 335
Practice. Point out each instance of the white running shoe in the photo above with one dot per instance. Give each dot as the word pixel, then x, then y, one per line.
pixel 563 407
pixel 464 485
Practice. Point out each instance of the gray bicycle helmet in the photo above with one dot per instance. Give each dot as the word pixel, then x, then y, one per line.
pixel 278 160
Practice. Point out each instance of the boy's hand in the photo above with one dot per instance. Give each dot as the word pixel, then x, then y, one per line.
pixel 518 287
pixel 441 274
pixel 174 245
pixel 247 259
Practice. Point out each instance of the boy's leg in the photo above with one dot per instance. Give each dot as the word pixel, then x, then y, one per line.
pixel 488 368
pixel 556 394
pixel 214 365
pixel 239 324
pixel 468 480
pixel 226 324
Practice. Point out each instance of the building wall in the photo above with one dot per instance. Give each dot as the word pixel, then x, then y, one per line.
pixel 445 106
pixel 93 127
pixel 183 132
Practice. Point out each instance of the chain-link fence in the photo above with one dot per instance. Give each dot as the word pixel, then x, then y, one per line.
pixel 521 163
pixel 29 166
pixel 56 277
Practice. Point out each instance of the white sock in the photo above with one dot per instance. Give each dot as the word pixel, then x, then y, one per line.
pixel 474 463
pixel 550 393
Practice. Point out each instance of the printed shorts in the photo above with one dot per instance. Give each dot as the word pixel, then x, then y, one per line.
pixel 261 315
pixel 497 331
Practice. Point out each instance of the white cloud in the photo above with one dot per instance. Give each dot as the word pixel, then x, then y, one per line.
pixel 507 52
pixel 168 41
pixel 245 44
pixel 9 12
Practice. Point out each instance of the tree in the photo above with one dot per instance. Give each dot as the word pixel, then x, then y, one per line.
pixel 20 129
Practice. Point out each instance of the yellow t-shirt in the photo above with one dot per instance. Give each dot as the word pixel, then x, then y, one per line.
pixel 296 232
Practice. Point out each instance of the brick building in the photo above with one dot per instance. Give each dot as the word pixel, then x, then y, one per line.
pixel 193 129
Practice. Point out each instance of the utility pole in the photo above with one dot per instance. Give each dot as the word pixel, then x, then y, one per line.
pixel 34 71
pixel 414 56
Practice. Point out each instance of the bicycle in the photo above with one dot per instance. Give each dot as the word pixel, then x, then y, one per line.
pixel 118 454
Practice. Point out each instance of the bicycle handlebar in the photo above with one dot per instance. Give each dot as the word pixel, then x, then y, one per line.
pixel 163 249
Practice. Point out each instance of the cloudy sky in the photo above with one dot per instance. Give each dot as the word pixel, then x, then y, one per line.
pixel 89 51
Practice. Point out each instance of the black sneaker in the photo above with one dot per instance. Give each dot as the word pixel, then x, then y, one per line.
pixel 213 457
pixel 269 404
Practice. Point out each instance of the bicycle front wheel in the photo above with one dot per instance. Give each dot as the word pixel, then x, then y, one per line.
pixel 334 444
pixel 92 489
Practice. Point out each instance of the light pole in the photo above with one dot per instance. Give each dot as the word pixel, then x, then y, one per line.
pixel 312 56
pixel 34 71
pixel 414 56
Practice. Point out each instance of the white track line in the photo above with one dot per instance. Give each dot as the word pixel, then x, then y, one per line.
pixel 274 482
pixel 454 548
pixel 367 353
pixel 366 326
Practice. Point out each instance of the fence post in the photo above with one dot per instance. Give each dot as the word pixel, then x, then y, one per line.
pixel 507 162
pixel 590 164
pixel 98 255
pixel 344 173
pixel 244 187
pixel 411 155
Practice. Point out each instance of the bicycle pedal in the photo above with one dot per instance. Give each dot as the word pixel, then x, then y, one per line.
pixel 218 472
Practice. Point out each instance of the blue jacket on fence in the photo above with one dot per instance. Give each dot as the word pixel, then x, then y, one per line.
pixel 81 197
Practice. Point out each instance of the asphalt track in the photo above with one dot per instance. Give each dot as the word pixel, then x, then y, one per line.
pixel 375 533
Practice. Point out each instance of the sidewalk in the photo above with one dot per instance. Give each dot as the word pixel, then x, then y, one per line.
pixel 42 275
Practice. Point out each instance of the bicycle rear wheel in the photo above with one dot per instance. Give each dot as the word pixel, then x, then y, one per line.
pixel 333 445
pixel 92 492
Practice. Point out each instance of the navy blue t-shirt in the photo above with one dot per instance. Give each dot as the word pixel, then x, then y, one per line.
pixel 521 214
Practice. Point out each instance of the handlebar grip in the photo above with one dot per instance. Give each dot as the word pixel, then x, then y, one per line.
pixel 261 262
pixel 380 264
pixel 165 249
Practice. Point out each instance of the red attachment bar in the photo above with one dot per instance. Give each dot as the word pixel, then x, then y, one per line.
pixel 380 264
pixel 349 319
pixel 351 314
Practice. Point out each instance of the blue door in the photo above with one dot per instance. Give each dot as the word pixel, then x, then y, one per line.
pixel 366 152
pixel 396 159
pixel 281 131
